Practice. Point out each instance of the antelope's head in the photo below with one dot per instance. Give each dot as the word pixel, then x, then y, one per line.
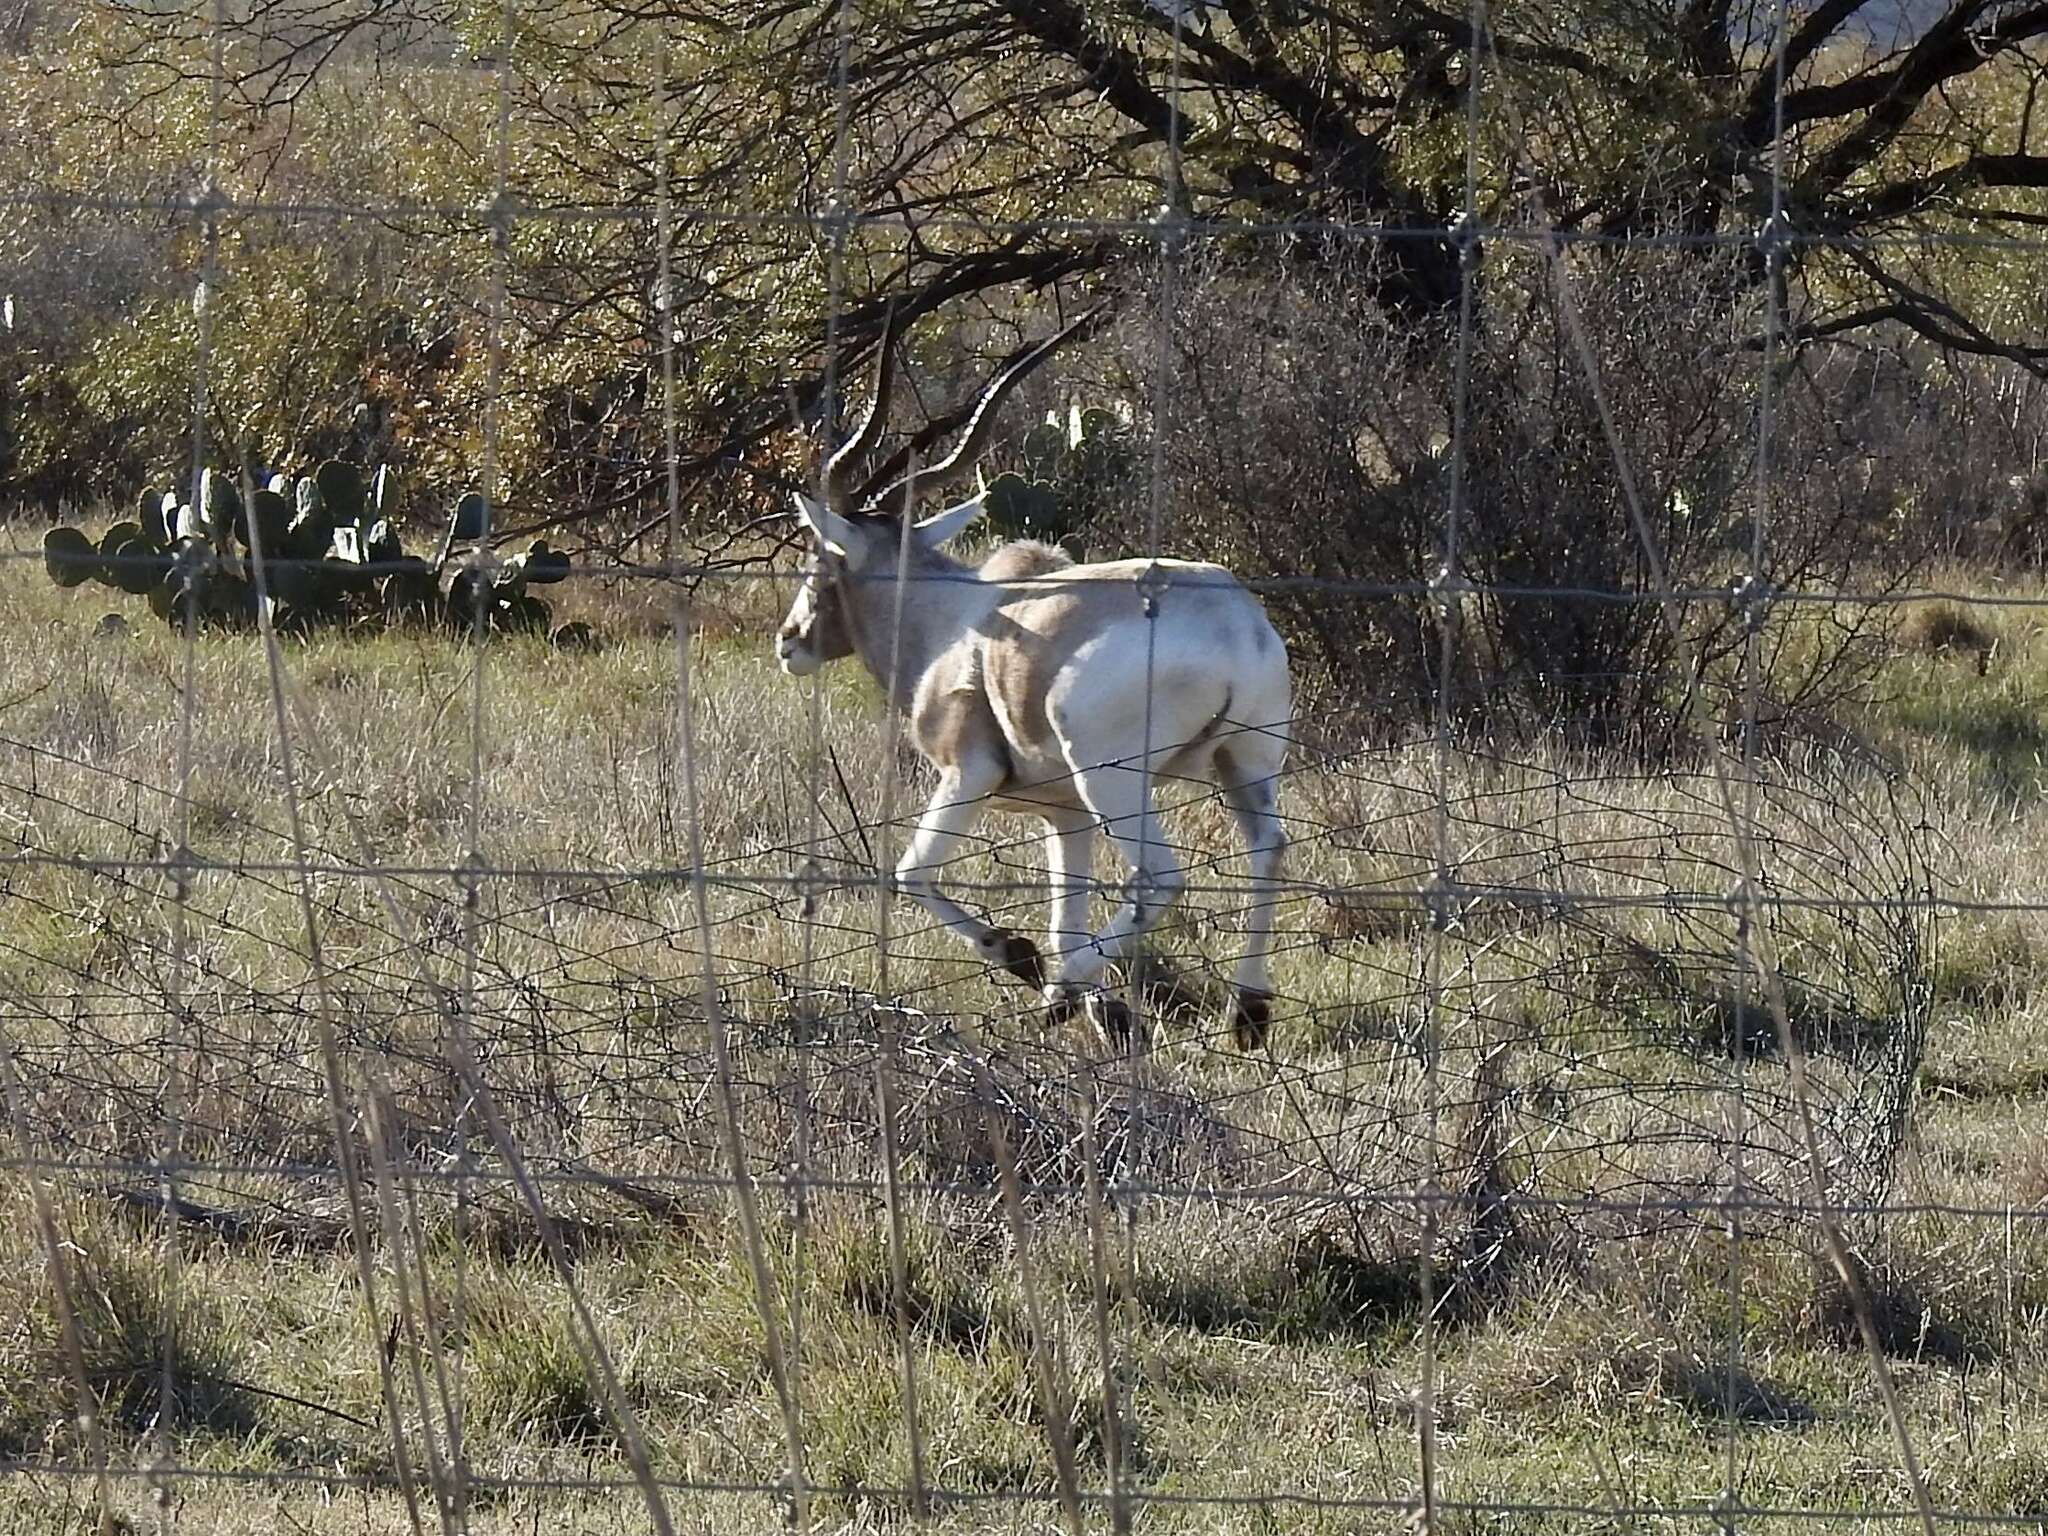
pixel 855 530
pixel 814 632
pixel 846 553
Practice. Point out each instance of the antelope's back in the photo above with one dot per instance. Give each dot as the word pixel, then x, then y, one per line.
pixel 1081 634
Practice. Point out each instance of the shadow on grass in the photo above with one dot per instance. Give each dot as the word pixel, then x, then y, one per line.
pixel 1699 1009
pixel 936 1307
pixel 2001 734
pixel 1314 1289
pixel 1720 1392
pixel 1730 1026
pixel 1907 1324
pixel 148 1364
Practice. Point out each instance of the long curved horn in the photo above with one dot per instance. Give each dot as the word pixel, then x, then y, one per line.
pixel 855 448
pixel 877 498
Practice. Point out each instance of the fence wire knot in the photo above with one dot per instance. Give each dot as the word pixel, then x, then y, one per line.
pixel 469 875
pixel 1143 889
pixel 1448 590
pixel 181 864
pixel 810 885
pixel 1741 903
pixel 209 200
pixel 499 212
pixel 1441 898
pixel 837 218
pixel 1752 597
pixel 1465 237
pixel 1152 585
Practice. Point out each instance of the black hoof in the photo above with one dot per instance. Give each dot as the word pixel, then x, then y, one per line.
pixel 1019 956
pixel 1114 1019
pixel 1250 1020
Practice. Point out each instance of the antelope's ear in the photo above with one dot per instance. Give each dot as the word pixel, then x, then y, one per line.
pixel 826 526
pixel 934 531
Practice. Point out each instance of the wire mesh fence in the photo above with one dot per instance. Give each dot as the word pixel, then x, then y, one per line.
pixel 487 1069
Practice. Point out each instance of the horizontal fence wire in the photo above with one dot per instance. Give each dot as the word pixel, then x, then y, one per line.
pixel 1369 591
pixel 209 202
pixel 370 959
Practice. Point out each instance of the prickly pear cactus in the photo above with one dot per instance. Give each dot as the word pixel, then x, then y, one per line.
pixel 1026 509
pixel 69 557
pixel 323 548
pixel 270 514
pixel 341 490
pixel 1066 471
pixel 472 514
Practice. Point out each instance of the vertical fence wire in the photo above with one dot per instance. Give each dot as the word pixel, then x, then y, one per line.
pixel 1754 599
pixel 1749 893
pixel 889 1017
pixel 1451 600
pixel 805 1010
pixel 428 1438
pixel 176 1044
pixel 1153 590
pixel 500 222
pixel 745 1201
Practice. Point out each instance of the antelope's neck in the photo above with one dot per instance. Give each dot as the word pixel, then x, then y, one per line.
pixel 941 602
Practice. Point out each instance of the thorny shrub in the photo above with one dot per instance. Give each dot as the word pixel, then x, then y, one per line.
pixel 1310 435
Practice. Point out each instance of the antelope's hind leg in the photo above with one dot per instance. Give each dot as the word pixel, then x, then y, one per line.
pixel 1120 798
pixel 1249 774
pixel 942 830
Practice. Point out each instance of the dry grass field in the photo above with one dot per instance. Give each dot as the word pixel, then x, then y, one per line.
pixel 1575 1054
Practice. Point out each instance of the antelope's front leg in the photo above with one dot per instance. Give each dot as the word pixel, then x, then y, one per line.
pixel 1069 860
pixel 954 808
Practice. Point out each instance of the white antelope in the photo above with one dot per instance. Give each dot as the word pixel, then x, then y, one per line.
pixel 1024 682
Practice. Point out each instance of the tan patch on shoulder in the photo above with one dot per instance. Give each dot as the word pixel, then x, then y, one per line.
pixel 950 720
pixel 1028 640
pixel 1018 671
